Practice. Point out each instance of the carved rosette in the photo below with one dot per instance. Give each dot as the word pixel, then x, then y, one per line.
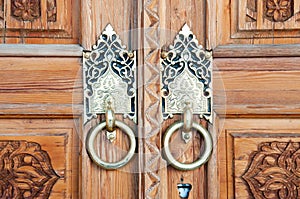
pixel 274 171
pixel 278 10
pixel 30 10
pixel 25 170
pixel 26 10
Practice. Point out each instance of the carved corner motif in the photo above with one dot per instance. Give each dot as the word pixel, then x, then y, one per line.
pixel 2 9
pixel 109 74
pixel 186 76
pixel 25 170
pixel 26 10
pixel 51 10
pixel 273 170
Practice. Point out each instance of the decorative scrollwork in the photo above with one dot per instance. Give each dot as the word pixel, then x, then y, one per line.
pixel 109 74
pixel 25 170
pixel 186 76
pixel 274 170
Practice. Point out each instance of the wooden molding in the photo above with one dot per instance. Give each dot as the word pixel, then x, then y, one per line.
pixel 250 51
pixel 40 50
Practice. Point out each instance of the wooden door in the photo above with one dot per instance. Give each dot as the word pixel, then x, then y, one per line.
pixel 256 124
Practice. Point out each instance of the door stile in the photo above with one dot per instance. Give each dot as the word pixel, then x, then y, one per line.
pixel 97 182
pixel 154 166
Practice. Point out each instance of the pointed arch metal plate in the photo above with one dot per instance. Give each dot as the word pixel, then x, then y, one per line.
pixel 186 77
pixel 109 73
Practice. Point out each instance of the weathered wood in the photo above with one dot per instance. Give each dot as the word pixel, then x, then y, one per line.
pixel 122 183
pixel 50 150
pixel 239 138
pixel 246 22
pixel 256 94
pixel 40 22
pixel 40 50
pixel 238 50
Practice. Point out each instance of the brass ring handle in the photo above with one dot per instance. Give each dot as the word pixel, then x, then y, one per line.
pixel 202 159
pixel 92 152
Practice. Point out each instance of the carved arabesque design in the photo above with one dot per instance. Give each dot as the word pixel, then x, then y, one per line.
pixel 274 171
pixel 25 170
pixel 26 10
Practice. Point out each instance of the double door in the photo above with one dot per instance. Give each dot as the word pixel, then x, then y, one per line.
pixel 255 112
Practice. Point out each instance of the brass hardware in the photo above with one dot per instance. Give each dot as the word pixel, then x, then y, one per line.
pixel 202 159
pixel 110 118
pixel 187 122
pixel 164 54
pixel 131 55
pixel 186 76
pixel 109 74
pixel 186 87
pixel 86 55
pixel 91 137
pixel 109 88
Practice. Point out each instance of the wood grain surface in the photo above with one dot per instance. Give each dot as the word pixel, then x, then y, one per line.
pixel 256 98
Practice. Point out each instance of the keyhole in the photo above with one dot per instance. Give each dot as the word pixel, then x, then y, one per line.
pixel 184 189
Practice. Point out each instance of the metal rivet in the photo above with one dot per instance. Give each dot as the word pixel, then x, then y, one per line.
pixel 87 55
pixel 130 55
pixel 164 54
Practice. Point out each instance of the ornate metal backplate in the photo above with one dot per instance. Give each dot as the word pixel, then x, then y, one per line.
pixel 186 77
pixel 109 75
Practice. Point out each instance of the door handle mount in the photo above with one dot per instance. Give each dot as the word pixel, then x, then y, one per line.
pixel 109 77
pixel 109 72
pixel 186 88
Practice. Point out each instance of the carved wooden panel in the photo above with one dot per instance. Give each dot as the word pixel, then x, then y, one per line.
pixel 273 170
pixel 258 158
pixel 258 22
pixel 26 170
pixel 39 21
pixel 268 16
pixel 265 164
pixel 38 159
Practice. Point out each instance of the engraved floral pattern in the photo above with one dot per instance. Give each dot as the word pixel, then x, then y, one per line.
pixel 25 170
pixel 278 10
pixel 26 10
pixel 109 72
pixel 274 171
pixel 186 68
